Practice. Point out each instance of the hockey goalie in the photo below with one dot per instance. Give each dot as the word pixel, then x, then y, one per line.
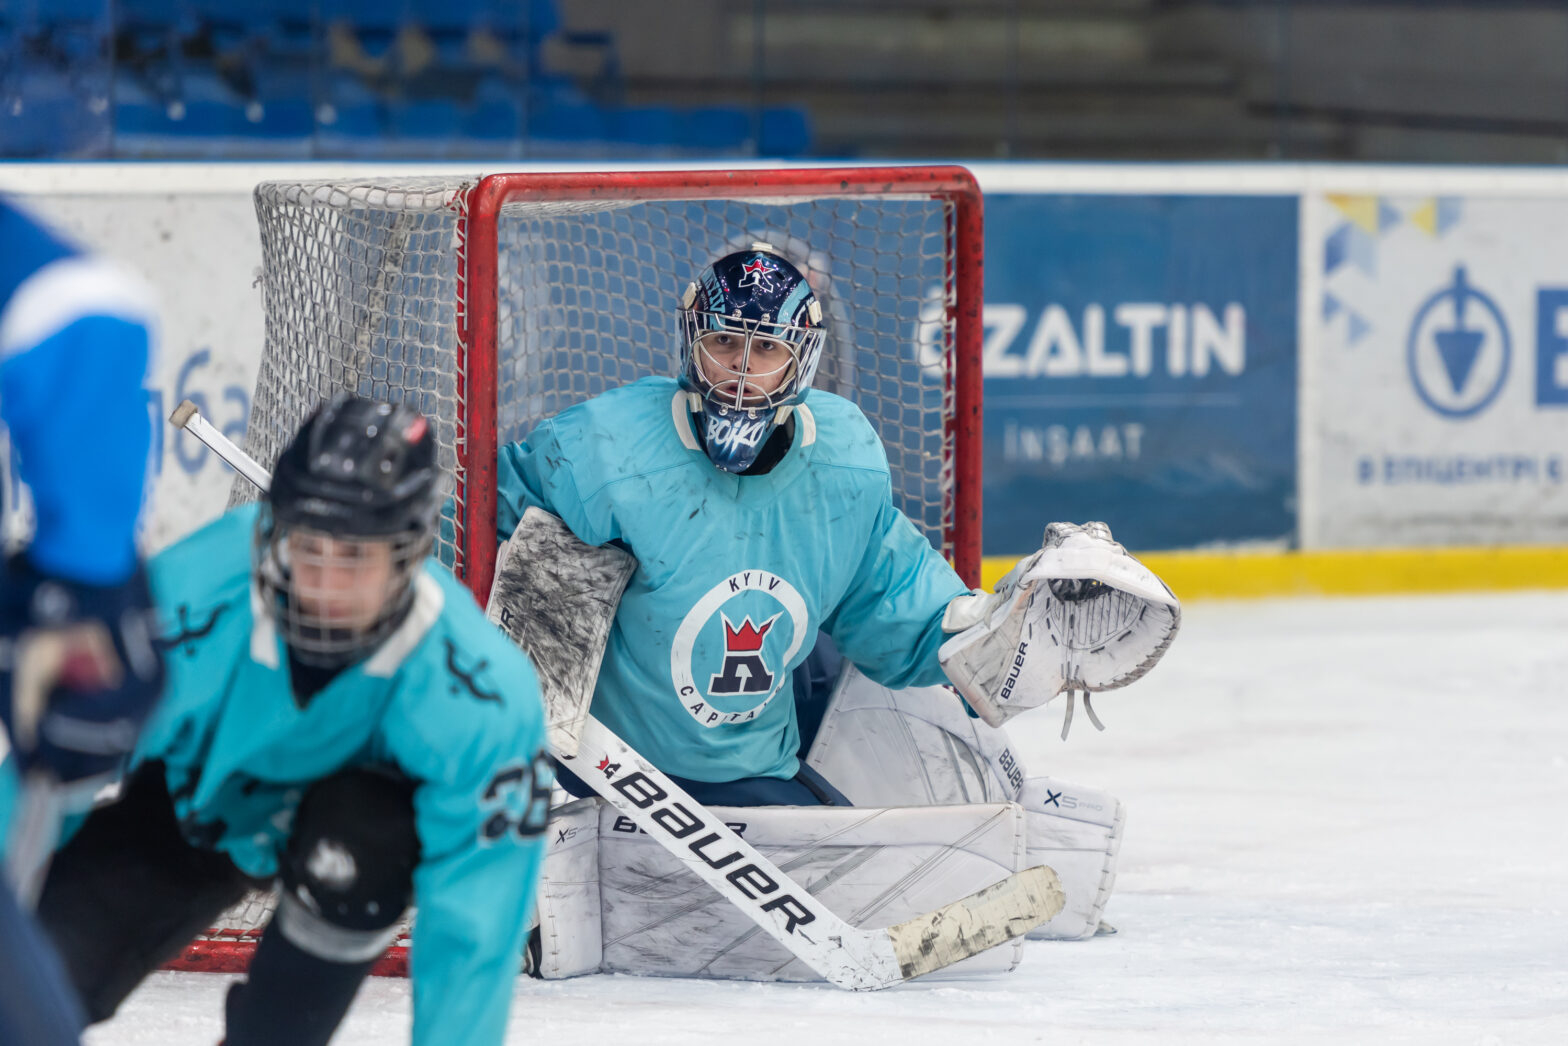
pixel 711 532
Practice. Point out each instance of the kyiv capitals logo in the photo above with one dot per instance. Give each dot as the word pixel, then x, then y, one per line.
pixel 1458 349
pixel 746 672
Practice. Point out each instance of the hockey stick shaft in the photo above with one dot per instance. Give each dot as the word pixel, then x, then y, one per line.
pixel 186 416
pixel 843 954
pixel 35 830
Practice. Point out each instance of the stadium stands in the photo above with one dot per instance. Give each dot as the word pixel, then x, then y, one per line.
pixel 337 78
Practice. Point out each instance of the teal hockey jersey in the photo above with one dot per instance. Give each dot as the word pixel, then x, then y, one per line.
pixel 446 700
pixel 736 574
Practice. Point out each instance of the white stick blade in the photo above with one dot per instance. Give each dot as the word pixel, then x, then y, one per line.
pixel 984 919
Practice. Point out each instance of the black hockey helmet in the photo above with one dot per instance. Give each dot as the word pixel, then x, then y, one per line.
pixel 359 468
pixel 349 517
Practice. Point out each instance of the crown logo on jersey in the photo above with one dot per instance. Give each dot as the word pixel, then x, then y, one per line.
pixel 744 671
pixel 746 638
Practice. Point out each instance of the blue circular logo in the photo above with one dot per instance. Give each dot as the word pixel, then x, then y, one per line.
pixel 1458 350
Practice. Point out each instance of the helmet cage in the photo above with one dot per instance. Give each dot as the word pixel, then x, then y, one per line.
pixel 733 384
pixel 334 598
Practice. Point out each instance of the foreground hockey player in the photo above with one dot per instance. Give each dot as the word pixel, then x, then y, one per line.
pixel 340 716
pixel 759 513
pixel 79 673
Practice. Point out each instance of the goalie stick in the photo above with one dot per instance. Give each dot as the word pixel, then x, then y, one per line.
pixel 845 955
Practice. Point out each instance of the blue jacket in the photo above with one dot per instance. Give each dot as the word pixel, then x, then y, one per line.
pixel 75 346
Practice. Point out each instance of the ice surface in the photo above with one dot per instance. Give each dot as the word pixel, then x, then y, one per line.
pixel 1346 823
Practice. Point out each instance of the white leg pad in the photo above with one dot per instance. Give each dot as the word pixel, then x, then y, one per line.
pixel 568 906
pixel 1078 832
pixel 874 867
pixel 882 747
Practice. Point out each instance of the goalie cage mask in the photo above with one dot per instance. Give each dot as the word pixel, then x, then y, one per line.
pixel 350 516
pixel 749 320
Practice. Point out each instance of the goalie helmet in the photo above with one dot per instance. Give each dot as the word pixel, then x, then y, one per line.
pixel 752 336
pixel 349 517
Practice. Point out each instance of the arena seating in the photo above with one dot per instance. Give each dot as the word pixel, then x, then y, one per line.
pixel 336 78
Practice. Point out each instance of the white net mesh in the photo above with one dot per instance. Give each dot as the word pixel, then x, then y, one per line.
pixel 362 291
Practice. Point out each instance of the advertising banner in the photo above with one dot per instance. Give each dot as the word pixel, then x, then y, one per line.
pixel 202 255
pixel 1140 366
pixel 1442 361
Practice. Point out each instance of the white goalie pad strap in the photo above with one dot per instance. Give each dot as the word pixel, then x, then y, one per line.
pixel 556 598
pixel 568 905
pixel 915 747
pixel 1077 831
pixel 874 867
pixel 1081 614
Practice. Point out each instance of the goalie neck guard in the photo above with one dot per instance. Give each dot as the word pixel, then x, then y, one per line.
pixel 349 517
pixel 752 336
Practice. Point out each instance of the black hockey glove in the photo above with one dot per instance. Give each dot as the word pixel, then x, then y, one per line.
pixel 79 670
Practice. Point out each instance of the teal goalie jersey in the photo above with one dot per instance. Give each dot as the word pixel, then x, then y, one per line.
pixel 446 700
pixel 736 573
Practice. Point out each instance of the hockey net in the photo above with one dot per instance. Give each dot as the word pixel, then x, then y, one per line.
pixel 492 303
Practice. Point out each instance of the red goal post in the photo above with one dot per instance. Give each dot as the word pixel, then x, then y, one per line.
pixel 964 303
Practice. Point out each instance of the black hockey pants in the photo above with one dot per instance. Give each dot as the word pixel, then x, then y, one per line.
pixel 128 892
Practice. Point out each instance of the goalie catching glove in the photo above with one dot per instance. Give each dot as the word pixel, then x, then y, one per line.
pixel 1081 614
